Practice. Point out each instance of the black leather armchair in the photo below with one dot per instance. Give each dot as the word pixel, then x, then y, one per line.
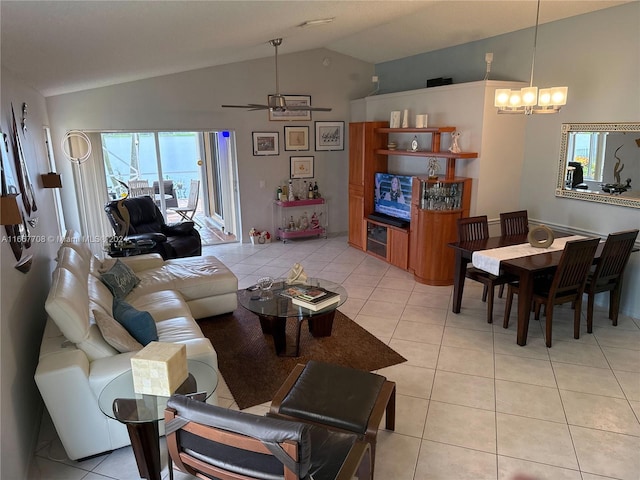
pixel 145 223
pixel 208 441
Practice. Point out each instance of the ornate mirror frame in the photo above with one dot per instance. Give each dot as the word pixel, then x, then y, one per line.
pixel 625 199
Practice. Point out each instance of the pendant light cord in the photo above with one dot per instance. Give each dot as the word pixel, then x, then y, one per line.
pixel 535 43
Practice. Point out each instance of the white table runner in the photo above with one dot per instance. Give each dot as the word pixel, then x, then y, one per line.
pixel 489 260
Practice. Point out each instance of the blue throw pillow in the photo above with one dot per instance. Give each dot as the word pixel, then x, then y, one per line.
pixel 139 324
pixel 120 279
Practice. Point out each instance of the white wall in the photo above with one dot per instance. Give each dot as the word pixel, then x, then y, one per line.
pixel 22 295
pixel 192 100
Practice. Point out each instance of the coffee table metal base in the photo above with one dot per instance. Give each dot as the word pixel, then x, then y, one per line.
pixel 319 326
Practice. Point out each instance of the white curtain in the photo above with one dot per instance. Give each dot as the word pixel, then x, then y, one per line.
pixel 91 192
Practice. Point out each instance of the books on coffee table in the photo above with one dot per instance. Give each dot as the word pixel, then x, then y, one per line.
pixel 304 292
pixel 319 303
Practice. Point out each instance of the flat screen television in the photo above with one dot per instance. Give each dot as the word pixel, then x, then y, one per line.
pixel 392 198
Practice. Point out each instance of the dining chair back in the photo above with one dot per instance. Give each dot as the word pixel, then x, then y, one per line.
pixel 566 285
pixel 514 223
pixel 208 441
pixel 473 228
pixel 607 276
pixel 477 228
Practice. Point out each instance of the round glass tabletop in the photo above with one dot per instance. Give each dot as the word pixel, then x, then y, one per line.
pixel 140 408
pixel 274 304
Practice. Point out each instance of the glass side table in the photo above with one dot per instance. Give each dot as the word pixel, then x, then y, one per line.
pixel 273 310
pixel 142 413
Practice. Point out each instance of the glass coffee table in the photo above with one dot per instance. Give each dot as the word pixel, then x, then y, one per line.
pixel 273 310
pixel 142 413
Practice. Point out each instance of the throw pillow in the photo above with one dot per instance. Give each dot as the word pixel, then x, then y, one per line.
pixel 139 324
pixel 115 334
pixel 120 279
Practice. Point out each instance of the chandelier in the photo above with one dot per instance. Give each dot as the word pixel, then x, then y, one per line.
pixel 528 100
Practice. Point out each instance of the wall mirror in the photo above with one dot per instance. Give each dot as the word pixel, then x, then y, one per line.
pixel 600 162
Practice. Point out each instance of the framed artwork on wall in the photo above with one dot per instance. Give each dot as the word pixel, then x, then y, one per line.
pixel 301 167
pixel 266 143
pixel 292 115
pixel 296 138
pixel 329 135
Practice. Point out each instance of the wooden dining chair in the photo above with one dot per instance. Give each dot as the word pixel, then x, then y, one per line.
pixel 607 276
pixel 566 285
pixel 513 224
pixel 477 228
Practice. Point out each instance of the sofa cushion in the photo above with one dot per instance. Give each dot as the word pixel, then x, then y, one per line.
pixel 115 334
pixel 193 277
pixel 120 279
pixel 70 259
pixel 161 305
pixel 68 304
pixel 138 323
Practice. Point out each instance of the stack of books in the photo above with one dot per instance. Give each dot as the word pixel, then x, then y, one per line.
pixel 311 298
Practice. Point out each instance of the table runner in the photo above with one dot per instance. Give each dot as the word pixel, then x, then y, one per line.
pixel 489 260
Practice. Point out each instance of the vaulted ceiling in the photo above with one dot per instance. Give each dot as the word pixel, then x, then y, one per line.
pixel 64 46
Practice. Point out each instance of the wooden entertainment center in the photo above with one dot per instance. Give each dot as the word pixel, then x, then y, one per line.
pixel 436 204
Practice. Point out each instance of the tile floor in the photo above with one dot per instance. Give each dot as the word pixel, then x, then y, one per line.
pixel 471 403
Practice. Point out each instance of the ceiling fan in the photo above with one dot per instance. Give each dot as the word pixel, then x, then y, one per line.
pixel 277 102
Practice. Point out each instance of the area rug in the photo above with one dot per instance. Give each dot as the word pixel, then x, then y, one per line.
pixel 253 371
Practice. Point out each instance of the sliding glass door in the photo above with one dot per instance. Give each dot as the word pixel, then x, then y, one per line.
pixel 168 165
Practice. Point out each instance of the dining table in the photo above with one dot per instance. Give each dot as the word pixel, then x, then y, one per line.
pixel 525 268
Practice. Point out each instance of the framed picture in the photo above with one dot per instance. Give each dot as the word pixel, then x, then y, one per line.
pixel 266 143
pixel 293 115
pixel 329 135
pixel 296 138
pixel 301 167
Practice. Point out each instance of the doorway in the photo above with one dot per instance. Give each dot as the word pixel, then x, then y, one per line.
pixel 167 166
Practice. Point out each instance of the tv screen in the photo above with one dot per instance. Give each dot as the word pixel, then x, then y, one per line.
pixel 393 195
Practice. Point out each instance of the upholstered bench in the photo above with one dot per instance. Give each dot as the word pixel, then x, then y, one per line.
pixel 337 397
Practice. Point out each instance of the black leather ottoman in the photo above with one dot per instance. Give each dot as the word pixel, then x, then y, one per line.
pixel 337 397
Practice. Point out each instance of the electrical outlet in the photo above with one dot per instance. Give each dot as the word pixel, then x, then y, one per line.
pixel 262 184
pixel 488 57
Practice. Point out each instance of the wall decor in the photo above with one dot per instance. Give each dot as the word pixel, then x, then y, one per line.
pixel 301 167
pixel 266 143
pixel 329 135
pixel 24 181
pixel 11 212
pixel 291 114
pixel 296 138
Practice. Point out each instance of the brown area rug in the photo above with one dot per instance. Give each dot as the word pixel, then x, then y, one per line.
pixel 253 371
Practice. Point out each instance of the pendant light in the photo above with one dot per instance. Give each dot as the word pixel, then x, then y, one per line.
pixel 528 100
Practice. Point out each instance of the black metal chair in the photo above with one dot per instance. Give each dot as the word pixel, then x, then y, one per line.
pixel 607 276
pixel 139 219
pixel 567 285
pixel 477 228
pixel 208 441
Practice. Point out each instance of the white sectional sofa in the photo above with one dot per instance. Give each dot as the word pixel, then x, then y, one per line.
pixel 75 360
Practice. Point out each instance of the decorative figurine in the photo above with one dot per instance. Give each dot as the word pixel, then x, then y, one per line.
pixel 414 144
pixel 434 166
pixel 455 148
pixel 296 274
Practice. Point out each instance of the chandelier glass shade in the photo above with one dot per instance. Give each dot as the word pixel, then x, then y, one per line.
pixel 529 100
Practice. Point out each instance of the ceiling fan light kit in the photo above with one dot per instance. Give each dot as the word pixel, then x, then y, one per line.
pixel 277 102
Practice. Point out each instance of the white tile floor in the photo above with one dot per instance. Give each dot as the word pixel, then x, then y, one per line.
pixel 471 403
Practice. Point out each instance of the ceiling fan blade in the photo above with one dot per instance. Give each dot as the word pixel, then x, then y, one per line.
pixel 303 108
pixel 250 106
